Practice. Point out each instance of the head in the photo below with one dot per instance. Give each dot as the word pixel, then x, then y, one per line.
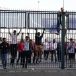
pixel 22 33
pixel 30 40
pixel 14 31
pixel 4 39
pixel 71 40
pixel 27 38
pixel 38 33
pixel 46 40
pixel 62 9
pixel 54 40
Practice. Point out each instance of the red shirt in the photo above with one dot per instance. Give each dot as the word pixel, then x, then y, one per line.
pixel 20 46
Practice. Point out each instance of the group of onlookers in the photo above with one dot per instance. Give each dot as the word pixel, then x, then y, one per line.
pixel 26 47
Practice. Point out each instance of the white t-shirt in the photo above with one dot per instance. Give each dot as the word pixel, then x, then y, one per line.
pixel 53 46
pixel 46 46
pixel 13 39
pixel 26 45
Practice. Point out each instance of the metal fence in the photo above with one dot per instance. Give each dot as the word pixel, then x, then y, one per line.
pixel 60 26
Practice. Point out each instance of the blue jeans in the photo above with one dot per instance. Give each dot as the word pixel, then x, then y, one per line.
pixel 4 60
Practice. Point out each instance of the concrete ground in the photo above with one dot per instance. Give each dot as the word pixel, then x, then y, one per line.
pixel 52 72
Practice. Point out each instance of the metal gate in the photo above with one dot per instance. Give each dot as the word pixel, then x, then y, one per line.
pixel 59 27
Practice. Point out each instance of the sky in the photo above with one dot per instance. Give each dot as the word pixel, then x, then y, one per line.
pixel 51 5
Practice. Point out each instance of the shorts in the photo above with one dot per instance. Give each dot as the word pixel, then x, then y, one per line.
pixel 71 56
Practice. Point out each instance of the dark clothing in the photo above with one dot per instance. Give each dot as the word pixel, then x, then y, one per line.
pixel 13 53
pixel 26 55
pixel 35 57
pixel 38 39
pixel 14 50
pixel 20 57
pixel 4 60
pixel 59 51
pixel 53 53
pixel 71 55
pixel 4 47
pixel 46 53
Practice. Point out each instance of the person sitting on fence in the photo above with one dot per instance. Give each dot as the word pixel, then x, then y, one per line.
pixel 38 46
pixel 53 50
pixel 13 46
pixel 71 51
pixel 46 49
pixel 4 46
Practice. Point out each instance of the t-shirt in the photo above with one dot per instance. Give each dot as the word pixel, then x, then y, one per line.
pixel 14 39
pixel 46 46
pixel 38 40
pixel 53 46
pixel 21 47
pixel 26 46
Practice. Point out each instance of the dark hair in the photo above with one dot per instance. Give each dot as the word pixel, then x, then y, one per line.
pixel 4 39
pixel 27 37
pixel 71 39
pixel 14 31
pixel 38 33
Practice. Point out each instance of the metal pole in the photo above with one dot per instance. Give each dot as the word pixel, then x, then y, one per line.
pixel 0 22
pixel 38 4
pixel 63 4
pixel 62 38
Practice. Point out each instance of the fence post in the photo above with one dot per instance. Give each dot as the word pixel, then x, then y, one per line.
pixel 62 38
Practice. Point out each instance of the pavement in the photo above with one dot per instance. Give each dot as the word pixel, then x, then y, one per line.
pixel 52 72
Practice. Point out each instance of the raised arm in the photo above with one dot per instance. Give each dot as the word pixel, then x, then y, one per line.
pixel 19 32
pixel 27 34
pixel 43 33
pixel 36 32
pixel 9 32
pixel 22 36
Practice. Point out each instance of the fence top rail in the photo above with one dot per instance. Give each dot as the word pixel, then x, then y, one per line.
pixel 34 12
pixel 34 28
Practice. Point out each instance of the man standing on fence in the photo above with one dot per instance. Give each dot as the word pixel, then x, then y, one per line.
pixel 38 46
pixel 13 46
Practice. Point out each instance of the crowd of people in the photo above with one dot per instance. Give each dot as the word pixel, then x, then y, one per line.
pixel 27 48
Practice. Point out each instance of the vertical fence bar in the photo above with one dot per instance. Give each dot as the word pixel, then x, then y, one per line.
pixel 0 22
pixel 62 39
